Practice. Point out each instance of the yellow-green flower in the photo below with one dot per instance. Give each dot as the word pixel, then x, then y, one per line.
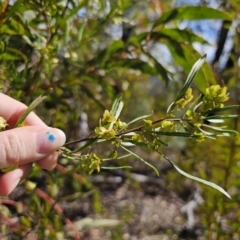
pixel 167 125
pixel 136 138
pixel 107 117
pixel 104 132
pixel 120 125
pixel 194 118
pixel 187 98
pixel 3 123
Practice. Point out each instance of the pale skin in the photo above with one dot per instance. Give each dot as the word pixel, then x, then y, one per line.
pixel 22 146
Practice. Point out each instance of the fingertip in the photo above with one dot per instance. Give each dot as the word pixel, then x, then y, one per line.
pixel 23 145
pixel 10 180
pixel 48 162
pixel 50 139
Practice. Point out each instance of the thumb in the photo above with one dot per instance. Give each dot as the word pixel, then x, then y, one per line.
pixel 28 144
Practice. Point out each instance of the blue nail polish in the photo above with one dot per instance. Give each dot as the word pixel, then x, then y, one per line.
pixel 51 137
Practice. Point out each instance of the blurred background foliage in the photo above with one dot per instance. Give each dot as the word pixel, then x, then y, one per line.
pixel 89 52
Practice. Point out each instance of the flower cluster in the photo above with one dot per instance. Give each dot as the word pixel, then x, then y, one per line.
pixel 214 97
pixel 109 126
pixel 89 163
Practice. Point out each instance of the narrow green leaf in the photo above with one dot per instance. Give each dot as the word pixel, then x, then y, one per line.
pixel 182 35
pixel 121 157
pixel 208 134
pixel 128 144
pixel 185 56
pixel 9 169
pixel 215 120
pixel 141 159
pixel 176 134
pixel 220 117
pixel 12 27
pixel 139 118
pixel 12 54
pixel 85 146
pixel 162 71
pixel 191 76
pixel 191 13
pixel 160 141
pixel 115 105
pixel 32 106
pixel 189 80
pixel 116 110
pixel 119 110
pixel 221 130
pixel 114 168
pixel 216 110
pixel 210 184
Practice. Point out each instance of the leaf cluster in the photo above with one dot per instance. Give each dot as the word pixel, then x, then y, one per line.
pixel 149 135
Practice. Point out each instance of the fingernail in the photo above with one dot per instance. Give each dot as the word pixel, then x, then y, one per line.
pixel 49 140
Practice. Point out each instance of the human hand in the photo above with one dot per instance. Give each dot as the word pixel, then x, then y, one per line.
pixel 24 145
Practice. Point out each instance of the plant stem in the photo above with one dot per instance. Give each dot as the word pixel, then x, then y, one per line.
pixel 136 129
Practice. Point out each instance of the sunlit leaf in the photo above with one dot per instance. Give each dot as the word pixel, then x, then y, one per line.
pixel 12 27
pixel 183 35
pixel 115 106
pixel 173 35
pixel 191 76
pixel 116 110
pixel 118 158
pixel 189 80
pixel 221 130
pixel 191 13
pixel 185 56
pixel 32 106
pixel 210 184
pixel 220 117
pixel 128 144
pixel 215 120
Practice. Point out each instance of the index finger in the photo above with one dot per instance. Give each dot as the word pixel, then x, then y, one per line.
pixel 11 110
